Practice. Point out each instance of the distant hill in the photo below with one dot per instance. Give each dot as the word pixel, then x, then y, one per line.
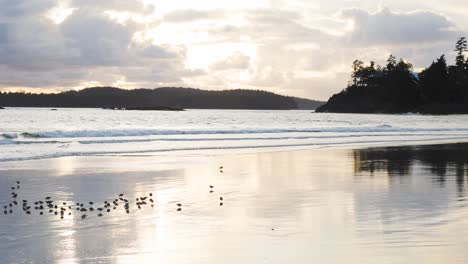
pixel 307 104
pixel 173 97
pixel 395 88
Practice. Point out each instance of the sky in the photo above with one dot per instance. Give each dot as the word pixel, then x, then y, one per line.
pixel 292 47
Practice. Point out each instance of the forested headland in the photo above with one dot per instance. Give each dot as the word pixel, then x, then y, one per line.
pixel 396 88
pixel 169 97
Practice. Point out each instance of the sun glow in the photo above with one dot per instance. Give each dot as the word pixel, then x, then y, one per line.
pixel 59 13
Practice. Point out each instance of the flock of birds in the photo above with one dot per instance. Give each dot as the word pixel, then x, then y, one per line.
pixel 62 209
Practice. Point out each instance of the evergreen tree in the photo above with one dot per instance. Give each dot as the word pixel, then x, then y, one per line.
pixel 434 82
pixel 357 71
pixel 458 74
pixel 461 48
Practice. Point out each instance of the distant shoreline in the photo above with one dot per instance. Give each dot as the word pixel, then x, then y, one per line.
pixel 165 98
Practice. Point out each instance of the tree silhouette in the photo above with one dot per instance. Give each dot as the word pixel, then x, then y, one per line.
pixel 461 47
pixel 396 88
pixel 434 82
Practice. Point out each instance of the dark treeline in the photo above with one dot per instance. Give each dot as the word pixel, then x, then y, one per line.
pixel 110 97
pixel 395 88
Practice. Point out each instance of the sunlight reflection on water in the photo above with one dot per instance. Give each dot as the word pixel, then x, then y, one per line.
pixel 381 205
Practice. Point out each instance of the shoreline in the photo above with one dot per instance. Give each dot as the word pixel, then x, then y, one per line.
pixel 159 162
pixel 200 154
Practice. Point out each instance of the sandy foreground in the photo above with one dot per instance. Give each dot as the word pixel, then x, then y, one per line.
pixel 378 205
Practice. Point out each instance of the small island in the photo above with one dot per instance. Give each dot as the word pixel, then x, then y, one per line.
pixel 395 88
pixel 154 108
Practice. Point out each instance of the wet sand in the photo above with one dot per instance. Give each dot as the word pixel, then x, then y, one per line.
pixel 378 205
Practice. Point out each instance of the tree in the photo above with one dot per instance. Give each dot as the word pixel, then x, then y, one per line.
pixel 401 85
pixel 391 63
pixel 458 74
pixel 434 82
pixel 357 69
pixel 461 48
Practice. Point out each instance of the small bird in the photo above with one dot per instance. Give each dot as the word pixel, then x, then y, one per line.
pixel 100 215
pixel 179 209
pixel 121 194
pixel 179 204
pixel 211 186
pixel 48 198
pixel 221 198
pixel 83 216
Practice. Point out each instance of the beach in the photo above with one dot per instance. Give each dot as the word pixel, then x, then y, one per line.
pixel 336 205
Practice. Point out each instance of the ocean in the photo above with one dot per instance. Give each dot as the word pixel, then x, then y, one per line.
pixel 40 133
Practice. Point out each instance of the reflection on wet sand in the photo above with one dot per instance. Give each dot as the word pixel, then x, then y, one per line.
pixel 440 162
pixel 380 205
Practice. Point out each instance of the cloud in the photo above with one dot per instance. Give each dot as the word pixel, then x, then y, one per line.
pixel 236 61
pixel 135 6
pixel 190 15
pixel 387 27
pixel 88 46
pixel 23 8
